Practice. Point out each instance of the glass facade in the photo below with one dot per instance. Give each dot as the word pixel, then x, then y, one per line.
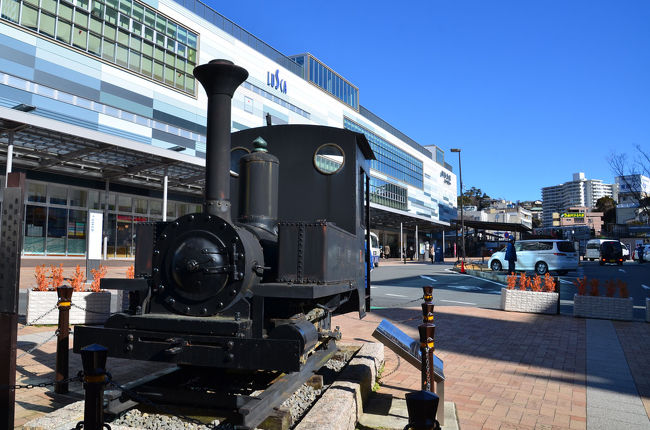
pixel 390 159
pixel 327 79
pixel 210 15
pixel 387 194
pixel 56 218
pixel 123 32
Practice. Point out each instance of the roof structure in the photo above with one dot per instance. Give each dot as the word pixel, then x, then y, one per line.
pixel 490 225
pixel 43 144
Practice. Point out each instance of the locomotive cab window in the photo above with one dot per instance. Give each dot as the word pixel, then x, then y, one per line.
pixel 329 159
pixel 235 155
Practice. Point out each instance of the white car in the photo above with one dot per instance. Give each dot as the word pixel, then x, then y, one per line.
pixel 540 255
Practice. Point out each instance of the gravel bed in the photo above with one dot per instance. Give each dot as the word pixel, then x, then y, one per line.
pixel 142 420
pixel 297 405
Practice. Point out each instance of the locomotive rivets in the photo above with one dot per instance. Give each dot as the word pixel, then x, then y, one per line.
pixel 220 304
pixel 230 344
pixel 129 337
pixel 204 311
pixel 187 309
pixel 176 224
pixel 230 357
pixel 233 292
pixel 191 217
pixel 156 251
pixel 155 270
pixel 163 236
pixel 161 288
pixel 241 275
pixel 170 300
pixel 128 348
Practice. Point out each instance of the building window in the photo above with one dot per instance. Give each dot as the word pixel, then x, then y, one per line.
pixel 95 33
pixel 391 160
pixel 388 194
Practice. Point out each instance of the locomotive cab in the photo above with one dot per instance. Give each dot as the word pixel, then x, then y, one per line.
pixel 253 280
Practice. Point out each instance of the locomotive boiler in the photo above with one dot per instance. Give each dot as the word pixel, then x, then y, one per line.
pixel 252 281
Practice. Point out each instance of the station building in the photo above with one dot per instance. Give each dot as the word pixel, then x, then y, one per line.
pixel 99 107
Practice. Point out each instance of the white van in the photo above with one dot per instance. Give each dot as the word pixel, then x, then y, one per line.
pixel 374 249
pixel 540 255
pixel 592 252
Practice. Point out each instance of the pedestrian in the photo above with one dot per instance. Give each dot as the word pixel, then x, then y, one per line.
pixel 431 253
pixel 511 256
pixel 639 251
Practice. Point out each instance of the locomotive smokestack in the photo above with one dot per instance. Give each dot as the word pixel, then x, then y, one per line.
pixel 220 79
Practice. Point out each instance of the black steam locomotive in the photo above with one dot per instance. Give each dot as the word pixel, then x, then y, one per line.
pixel 281 245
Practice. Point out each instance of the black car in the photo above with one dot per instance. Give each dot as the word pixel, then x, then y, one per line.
pixel 611 252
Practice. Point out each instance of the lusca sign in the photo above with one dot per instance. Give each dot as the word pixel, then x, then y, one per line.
pixel 273 80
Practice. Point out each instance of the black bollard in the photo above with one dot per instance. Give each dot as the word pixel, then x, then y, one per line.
pixel 93 359
pixel 64 293
pixel 423 405
pixel 427 333
pixel 422 408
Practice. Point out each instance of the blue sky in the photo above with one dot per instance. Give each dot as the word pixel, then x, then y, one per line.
pixel 532 91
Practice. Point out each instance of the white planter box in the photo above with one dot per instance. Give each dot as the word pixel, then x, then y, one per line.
pixel 40 302
pixel 529 301
pixel 613 308
pixel 647 309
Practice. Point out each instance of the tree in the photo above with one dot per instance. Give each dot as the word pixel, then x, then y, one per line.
pixel 474 197
pixel 625 170
pixel 607 206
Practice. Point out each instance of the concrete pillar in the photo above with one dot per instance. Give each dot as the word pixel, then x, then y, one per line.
pixel 10 153
pixel 164 205
pixel 401 241
pixel 417 244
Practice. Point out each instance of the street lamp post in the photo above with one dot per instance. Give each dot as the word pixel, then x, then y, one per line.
pixel 462 218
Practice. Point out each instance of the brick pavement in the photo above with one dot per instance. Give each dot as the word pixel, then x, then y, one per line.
pixel 39 367
pixel 503 370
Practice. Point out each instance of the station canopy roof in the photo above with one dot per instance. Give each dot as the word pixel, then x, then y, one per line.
pixel 382 217
pixel 44 144
pixel 494 226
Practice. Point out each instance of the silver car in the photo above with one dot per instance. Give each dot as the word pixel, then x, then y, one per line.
pixel 540 255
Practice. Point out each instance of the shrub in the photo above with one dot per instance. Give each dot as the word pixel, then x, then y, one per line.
pixel 594 287
pixel 57 276
pixel 610 288
pixel 130 272
pixel 41 278
pixel 549 283
pixel 622 289
pixel 523 282
pixel 581 284
pixel 97 275
pixel 512 281
pixel 78 279
pixel 536 283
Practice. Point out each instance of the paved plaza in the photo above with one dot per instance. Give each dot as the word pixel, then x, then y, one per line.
pixel 504 370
